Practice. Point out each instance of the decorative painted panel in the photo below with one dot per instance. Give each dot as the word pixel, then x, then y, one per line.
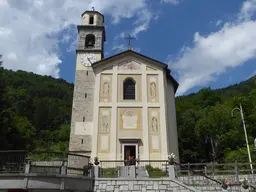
pixel 154 143
pixel 129 65
pixel 154 120
pixel 105 88
pixel 130 118
pixel 104 120
pixel 104 143
pixel 154 129
pixel 153 88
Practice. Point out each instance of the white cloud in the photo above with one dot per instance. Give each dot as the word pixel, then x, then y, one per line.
pixel 218 22
pixel 248 9
pixel 120 47
pixel 231 46
pixel 29 29
pixel 175 2
pixel 143 21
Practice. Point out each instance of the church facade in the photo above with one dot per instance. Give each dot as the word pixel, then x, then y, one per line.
pixel 123 105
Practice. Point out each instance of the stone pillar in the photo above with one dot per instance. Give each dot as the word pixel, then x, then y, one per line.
pixel 171 170
pixel 96 171
pixel 64 168
pixel 27 166
pixel 132 171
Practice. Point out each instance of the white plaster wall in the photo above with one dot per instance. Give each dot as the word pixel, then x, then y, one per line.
pixel 163 115
pixel 143 104
pixel 172 122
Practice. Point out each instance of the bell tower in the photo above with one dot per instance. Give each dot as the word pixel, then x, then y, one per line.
pixel 91 38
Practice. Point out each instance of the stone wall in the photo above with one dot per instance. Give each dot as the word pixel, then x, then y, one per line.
pixel 200 180
pixel 155 185
pixel 136 185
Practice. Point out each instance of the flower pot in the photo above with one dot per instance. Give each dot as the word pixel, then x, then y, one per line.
pixel 171 162
pixel 245 186
pixel 96 163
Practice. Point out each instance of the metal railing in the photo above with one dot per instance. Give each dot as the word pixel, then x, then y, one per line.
pixel 136 168
pixel 44 163
pixel 12 161
pixel 221 174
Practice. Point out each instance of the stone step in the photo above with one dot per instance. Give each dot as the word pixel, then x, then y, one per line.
pixel 141 172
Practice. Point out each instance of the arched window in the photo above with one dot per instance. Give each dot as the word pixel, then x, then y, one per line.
pixel 129 89
pixel 90 40
pixel 91 20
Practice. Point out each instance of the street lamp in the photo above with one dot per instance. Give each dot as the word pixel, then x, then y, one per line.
pixel 245 133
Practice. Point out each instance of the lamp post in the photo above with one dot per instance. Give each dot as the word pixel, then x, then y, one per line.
pixel 255 147
pixel 240 109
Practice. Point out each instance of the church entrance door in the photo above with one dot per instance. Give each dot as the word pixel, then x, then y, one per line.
pixel 130 153
pixel 130 150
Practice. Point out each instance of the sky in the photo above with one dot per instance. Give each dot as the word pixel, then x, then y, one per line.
pixel 206 43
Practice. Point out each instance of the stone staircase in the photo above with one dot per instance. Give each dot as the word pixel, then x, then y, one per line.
pixel 133 171
pixel 127 171
pixel 141 172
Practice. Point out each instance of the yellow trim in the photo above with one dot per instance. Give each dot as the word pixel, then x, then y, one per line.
pixel 139 116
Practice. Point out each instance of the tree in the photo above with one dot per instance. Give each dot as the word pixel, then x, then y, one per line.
pixel 1 62
pixel 38 104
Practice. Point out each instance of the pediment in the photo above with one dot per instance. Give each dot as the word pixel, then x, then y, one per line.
pixel 149 68
pixel 129 61
pixel 108 68
pixel 129 65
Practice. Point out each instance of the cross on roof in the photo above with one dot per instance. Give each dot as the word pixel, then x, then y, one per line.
pixel 129 38
pixel 93 8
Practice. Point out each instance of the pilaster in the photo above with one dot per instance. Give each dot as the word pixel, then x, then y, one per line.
pixel 164 133
pixel 114 116
pixel 95 117
pixel 145 113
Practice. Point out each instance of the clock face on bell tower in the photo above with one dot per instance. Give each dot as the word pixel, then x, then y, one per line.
pixel 87 59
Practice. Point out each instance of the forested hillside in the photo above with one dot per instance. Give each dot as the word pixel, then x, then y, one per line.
pixel 35 113
pixel 206 130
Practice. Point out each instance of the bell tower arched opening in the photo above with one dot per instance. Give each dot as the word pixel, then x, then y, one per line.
pixel 91 20
pixel 89 40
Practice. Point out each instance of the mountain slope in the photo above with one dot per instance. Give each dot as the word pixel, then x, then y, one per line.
pixel 35 112
pixel 206 130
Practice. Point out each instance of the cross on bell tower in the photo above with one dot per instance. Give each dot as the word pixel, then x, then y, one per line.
pixel 129 38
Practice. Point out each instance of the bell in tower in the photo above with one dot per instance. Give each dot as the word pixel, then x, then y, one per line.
pixel 90 40
pixel 91 33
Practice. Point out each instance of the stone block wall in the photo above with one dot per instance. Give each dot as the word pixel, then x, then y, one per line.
pixel 143 185
pixel 155 185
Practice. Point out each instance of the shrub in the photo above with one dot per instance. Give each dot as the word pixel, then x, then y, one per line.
pixel 155 172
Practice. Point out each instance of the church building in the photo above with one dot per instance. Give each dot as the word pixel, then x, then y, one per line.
pixel 123 105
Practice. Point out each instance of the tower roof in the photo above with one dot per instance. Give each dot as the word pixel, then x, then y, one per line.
pixel 91 12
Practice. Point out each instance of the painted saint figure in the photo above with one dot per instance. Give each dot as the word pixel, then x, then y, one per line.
pixel 106 89
pixel 104 124
pixel 154 124
pixel 153 89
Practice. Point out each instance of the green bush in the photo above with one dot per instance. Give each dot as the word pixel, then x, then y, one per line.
pixel 155 172
pixel 110 172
